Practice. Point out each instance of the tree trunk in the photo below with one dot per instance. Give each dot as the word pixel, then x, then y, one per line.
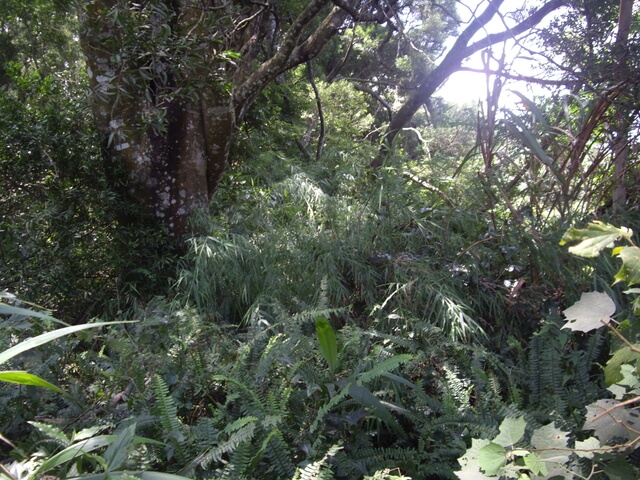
pixel 167 95
pixel 620 145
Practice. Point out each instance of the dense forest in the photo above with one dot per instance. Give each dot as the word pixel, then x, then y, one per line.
pixel 250 239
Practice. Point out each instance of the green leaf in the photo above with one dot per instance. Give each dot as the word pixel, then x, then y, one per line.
pixel 364 397
pixel 85 446
pixel 118 451
pixel 124 475
pixel 593 239
pixel 74 451
pixel 520 129
pixel 630 270
pixel 51 431
pixel 593 310
pixel 469 461
pixel 48 337
pixel 328 343
pixel 26 378
pixel 612 370
pixel 533 463
pixel 511 431
pixel 533 108
pixel 11 310
pixel 610 420
pixel 620 470
pixel 587 448
pixel 550 441
pixel 492 459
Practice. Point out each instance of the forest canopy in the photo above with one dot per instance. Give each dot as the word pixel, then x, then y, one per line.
pixel 253 240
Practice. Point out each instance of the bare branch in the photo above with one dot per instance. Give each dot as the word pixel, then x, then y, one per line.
pixel 452 62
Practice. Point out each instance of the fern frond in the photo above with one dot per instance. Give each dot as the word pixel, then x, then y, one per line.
pixel 384 366
pixel 241 431
pixel 168 414
pixel 280 458
pixel 318 470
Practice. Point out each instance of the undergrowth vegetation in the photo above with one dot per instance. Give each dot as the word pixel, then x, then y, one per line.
pixel 444 326
pixel 324 319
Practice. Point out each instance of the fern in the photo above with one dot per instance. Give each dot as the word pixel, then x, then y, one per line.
pixel 241 431
pixel 169 420
pixel 277 451
pixel 318 470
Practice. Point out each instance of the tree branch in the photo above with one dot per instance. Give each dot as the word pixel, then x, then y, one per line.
pixel 452 62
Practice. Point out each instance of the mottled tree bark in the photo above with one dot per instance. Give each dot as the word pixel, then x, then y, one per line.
pixel 620 145
pixel 172 166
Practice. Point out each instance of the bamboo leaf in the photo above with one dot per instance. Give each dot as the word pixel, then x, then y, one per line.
pixel 48 337
pixel 11 310
pixel 26 378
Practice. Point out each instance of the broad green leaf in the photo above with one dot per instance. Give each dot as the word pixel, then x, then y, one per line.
pixel 364 397
pixel 609 420
pixel 492 459
pixel 533 463
pixel 511 431
pixel 118 451
pixel 48 337
pixel 89 432
pixel 587 448
pixel 469 461
pixel 74 451
pixel 550 442
pixel 612 373
pixel 620 470
pixel 593 239
pixel 589 312
pixel 630 270
pixel 85 446
pixel 26 378
pixel 328 343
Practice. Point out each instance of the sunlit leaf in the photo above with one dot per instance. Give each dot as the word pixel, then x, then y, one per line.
pixel 587 448
pixel 511 431
pixel 48 337
pixel 492 459
pixel 328 343
pixel 533 463
pixel 51 431
pixel 590 312
pixel 11 310
pixel 594 238
pixel 612 373
pixel 26 378
pixel 630 270
pixel 469 461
